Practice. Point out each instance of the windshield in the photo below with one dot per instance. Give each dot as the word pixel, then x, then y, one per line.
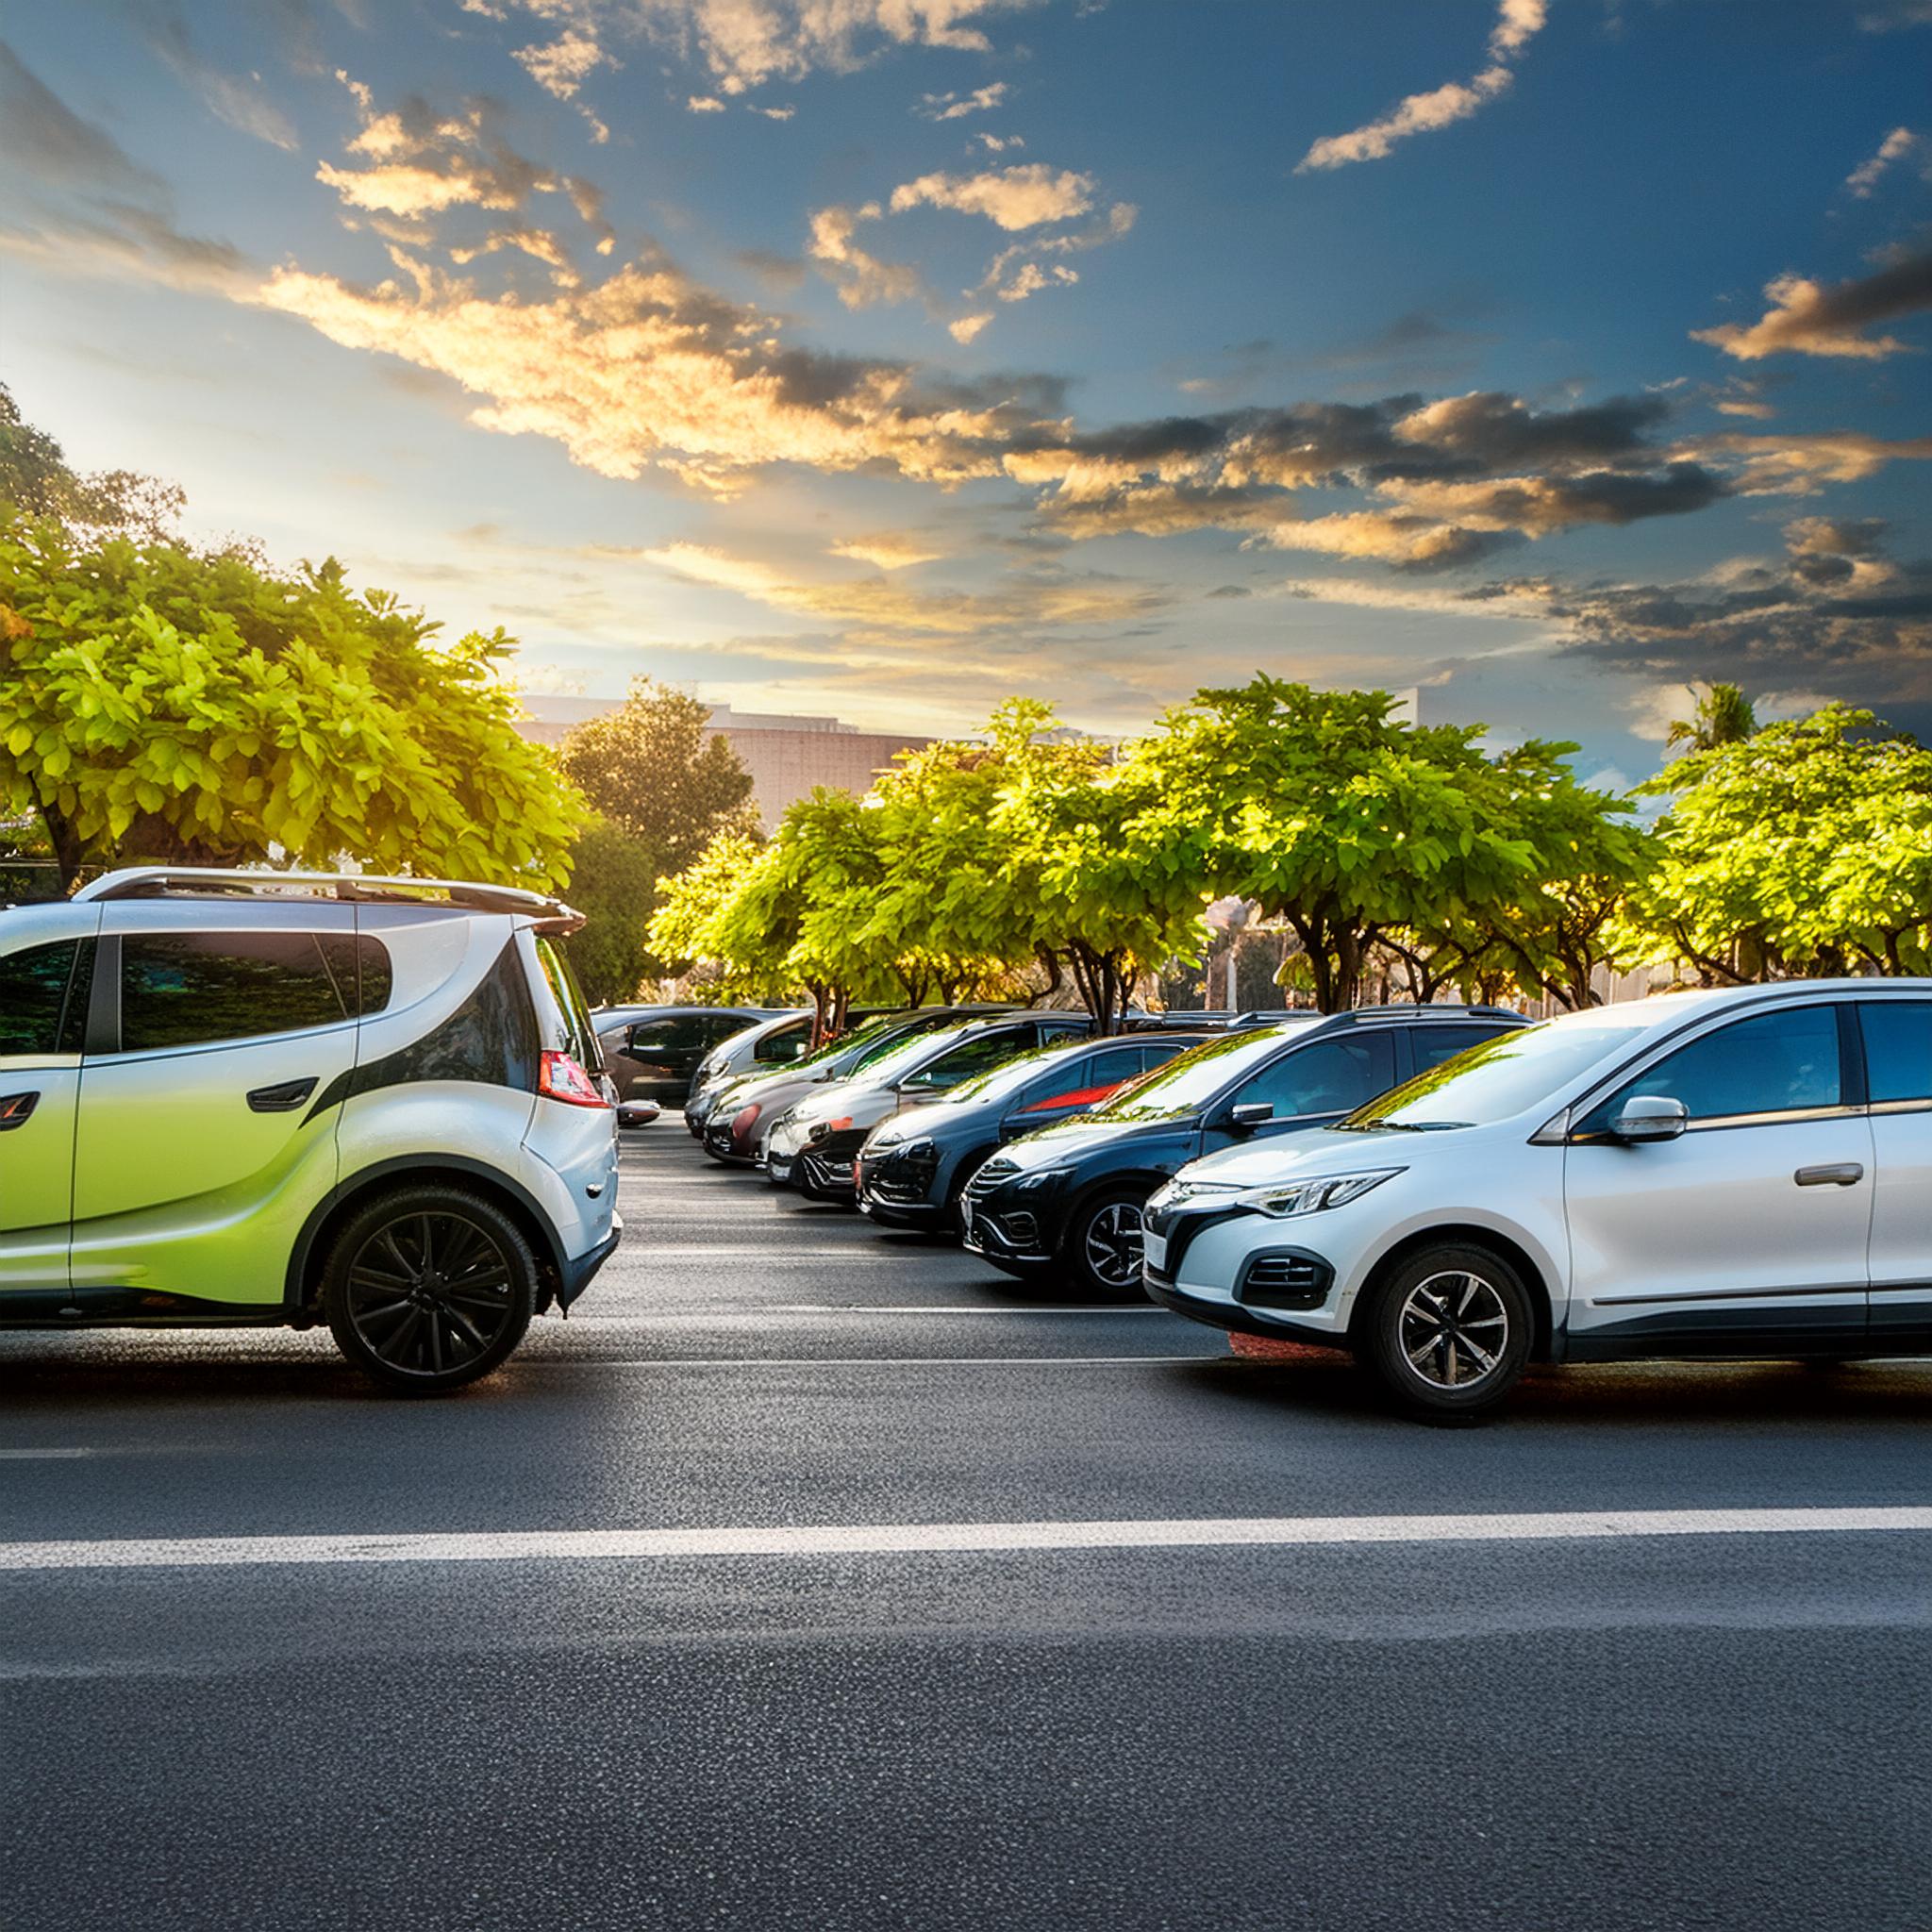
pixel 1007 1077
pixel 1189 1082
pixel 1497 1079
pixel 859 1040
pixel 901 1056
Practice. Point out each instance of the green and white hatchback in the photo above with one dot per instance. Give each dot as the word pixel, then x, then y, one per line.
pixel 274 1098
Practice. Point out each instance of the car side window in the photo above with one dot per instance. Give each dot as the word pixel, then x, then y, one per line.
pixel 969 1058
pixel 1780 1063
pixel 1898 1049
pixel 196 989
pixel 1325 1076
pixel 1432 1045
pixel 33 995
pixel 1087 1080
pixel 787 1044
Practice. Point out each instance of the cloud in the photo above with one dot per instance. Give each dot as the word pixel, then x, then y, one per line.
pixel 878 609
pixel 1799 465
pixel 1866 175
pixel 862 278
pixel 888 550
pixel 240 103
pixel 963 328
pixel 956 107
pixel 1808 319
pixel 705 104
pixel 744 45
pixel 78 203
pixel 1026 196
pixel 1517 23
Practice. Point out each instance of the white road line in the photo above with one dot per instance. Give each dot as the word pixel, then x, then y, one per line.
pixel 42 1455
pixel 896 1538
pixel 763 1318
pixel 696 1253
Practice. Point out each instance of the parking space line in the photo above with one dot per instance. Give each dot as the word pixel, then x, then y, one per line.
pixel 919 1539
pixel 42 1455
pixel 754 1318
pixel 858 1361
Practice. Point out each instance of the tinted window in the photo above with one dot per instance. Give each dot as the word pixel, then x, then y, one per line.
pixel 969 1058
pixel 579 1039
pixel 190 988
pixel 362 973
pixel 680 1033
pixel 1898 1049
pixel 1192 1079
pixel 33 990
pixel 788 1043
pixel 1329 1076
pixel 1771 1065
pixel 1081 1079
pixel 1434 1044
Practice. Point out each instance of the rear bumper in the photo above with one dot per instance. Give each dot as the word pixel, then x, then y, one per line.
pixel 577 1274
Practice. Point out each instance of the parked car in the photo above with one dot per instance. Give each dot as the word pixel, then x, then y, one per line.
pixel 231 1098
pixel 912 1166
pixel 815 1142
pixel 652 1053
pixel 1070 1197
pixel 1744 1173
pixel 741 1117
pixel 762 1047
pixel 760 1052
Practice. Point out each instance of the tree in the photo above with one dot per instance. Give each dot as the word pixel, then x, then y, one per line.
pixel 1337 818
pixel 37 481
pixel 1722 715
pixel 161 703
pixel 614 883
pixel 652 768
pixel 1803 849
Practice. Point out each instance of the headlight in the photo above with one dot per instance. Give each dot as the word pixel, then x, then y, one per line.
pixel 922 1149
pixel 1039 1177
pixel 1176 1191
pixel 1311 1196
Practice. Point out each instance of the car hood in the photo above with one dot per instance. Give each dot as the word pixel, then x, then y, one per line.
pixel 1066 1141
pixel 1321 1151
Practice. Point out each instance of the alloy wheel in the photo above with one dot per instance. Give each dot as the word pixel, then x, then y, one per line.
pixel 1112 1245
pixel 1454 1328
pixel 429 1293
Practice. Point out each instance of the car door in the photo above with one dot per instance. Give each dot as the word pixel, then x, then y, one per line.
pixel 1897 1041
pixel 1748 1232
pixel 1307 1086
pixel 43 995
pixel 199 1149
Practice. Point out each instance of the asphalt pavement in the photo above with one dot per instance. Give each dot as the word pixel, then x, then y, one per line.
pixel 810 1577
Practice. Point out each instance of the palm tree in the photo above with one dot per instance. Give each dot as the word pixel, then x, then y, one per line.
pixel 1722 715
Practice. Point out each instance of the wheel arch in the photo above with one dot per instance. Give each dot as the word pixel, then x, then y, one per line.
pixel 1469 1235
pixel 302 1287
pixel 1118 1180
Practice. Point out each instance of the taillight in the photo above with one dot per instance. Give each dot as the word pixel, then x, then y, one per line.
pixel 559 1077
pixel 746 1117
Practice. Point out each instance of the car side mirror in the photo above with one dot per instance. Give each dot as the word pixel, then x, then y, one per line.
pixel 1651 1117
pixel 1251 1113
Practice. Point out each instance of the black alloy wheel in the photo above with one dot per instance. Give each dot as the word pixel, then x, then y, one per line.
pixel 1103 1242
pixel 429 1287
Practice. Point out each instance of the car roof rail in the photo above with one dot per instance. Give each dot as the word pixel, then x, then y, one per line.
pixel 551 914
pixel 1412 1010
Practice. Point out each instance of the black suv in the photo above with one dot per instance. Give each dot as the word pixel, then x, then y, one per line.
pixel 1070 1197
pixel 912 1169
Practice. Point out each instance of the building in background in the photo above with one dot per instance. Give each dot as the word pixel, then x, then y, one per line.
pixel 787 756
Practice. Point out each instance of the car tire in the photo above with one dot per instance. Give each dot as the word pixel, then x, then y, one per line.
pixel 429 1287
pixel 1448 1332
pixel 1101 1247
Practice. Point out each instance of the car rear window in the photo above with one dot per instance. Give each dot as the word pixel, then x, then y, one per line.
pixel 579 1036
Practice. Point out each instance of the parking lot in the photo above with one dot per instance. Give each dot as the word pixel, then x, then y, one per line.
pixel 1008 1609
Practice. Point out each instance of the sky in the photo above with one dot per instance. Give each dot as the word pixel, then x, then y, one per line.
pixel 886 358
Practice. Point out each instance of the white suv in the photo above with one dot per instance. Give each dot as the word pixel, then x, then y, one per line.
pixel 1745 1173
pixel 231 1097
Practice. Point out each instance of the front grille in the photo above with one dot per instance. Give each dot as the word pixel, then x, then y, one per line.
pixel 990 1176
pixel 883 1185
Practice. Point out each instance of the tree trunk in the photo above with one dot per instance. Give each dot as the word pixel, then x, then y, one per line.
pixel 67 850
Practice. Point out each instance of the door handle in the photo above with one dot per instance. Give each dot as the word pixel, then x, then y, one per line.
pixel 285 1098
pixel 14 1108
pixel 1836 1174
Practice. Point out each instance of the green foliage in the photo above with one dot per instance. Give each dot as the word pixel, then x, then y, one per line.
pixel 652 768
pixel 1721 715
pixel 160 703
pixel 614 883
pixel 37 481
pixel 1803 848
pixel 1349 824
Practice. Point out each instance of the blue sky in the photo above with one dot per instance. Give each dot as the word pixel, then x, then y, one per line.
pixel 886 356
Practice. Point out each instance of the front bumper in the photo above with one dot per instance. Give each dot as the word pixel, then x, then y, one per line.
pixel 1004 1227
pixel 1235 1318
